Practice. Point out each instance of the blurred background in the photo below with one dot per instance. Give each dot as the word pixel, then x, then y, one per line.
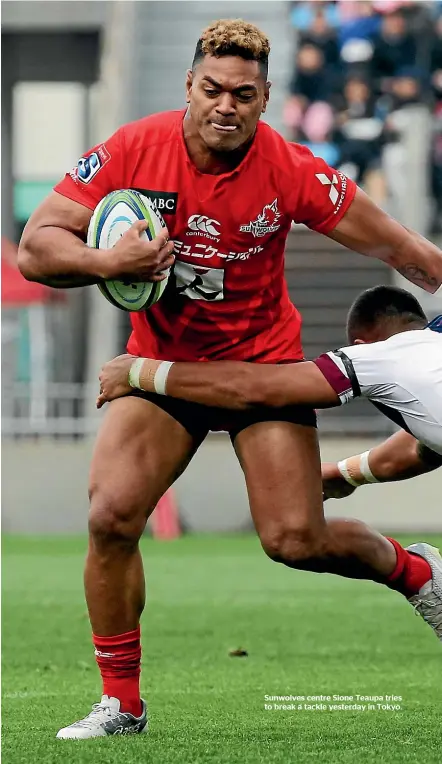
pixel 360 83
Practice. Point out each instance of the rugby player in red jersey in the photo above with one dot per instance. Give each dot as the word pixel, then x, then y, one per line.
pixel 229 187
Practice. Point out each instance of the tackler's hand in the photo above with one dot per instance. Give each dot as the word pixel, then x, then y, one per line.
pixel 334 486
pixel 114 379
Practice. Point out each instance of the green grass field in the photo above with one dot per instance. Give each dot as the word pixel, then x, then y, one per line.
pixel 305 635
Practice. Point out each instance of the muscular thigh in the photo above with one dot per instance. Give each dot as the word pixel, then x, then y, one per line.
pixel 282 469
pixel 139 453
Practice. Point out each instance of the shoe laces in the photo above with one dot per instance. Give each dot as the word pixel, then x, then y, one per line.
pixel 92 719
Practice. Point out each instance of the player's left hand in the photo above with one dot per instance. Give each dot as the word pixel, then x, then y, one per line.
pixel 114 379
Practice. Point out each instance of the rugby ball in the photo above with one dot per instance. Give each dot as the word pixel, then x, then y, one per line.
pixel 111 219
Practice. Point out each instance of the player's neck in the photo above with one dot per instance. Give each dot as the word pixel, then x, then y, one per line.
pixel 206 160
pixel 398 328
pixel 385 330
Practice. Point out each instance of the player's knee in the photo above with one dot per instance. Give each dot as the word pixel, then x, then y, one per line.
pixel 293 545
pixel 112 521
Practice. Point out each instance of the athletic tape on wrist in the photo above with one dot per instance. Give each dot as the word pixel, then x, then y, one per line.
pixel 365 468
pixel 134 373
pixel 161 375
pixel 342 467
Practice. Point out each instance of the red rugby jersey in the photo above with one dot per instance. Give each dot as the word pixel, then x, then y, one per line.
pixel 227 297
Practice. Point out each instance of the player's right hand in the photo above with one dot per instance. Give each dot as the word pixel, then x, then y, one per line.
pixel 334 486
pixel 138 259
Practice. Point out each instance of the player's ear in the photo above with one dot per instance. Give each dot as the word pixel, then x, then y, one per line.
pixel 267 87
pixel 189 78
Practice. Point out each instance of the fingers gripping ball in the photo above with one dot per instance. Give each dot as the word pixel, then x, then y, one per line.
pixel 112 217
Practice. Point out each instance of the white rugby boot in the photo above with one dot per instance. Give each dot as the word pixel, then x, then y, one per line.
pixel 106 719
pixel 428 601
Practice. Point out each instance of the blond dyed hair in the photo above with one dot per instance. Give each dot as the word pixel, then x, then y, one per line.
pixel 234 37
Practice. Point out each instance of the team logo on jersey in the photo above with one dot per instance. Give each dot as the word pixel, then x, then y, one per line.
pixel 332 182
pixel 163 201
pixel 266 221
pixel 203 226
pixel 336 197
pixel 89 165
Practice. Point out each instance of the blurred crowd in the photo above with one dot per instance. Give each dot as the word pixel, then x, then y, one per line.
pixel 358 64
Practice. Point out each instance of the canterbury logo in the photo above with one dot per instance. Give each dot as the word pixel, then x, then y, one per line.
pixel 203 224
pixel 325 181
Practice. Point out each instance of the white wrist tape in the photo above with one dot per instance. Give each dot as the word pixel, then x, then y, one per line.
pixel 365 468
pixel 161 375
pixel 356 470
pixel 343 469
pixel 134 373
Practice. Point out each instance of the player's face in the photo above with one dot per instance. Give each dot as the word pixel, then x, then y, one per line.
pixel 227 95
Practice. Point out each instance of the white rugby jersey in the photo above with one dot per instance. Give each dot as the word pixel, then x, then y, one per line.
pixel 402 376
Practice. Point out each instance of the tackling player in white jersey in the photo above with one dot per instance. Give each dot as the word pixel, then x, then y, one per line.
pixel 394 359
pixel 413 399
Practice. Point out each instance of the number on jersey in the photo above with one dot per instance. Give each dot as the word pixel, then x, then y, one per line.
pixel 199 283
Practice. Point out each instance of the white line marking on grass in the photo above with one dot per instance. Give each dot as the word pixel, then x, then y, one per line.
pixel 31 694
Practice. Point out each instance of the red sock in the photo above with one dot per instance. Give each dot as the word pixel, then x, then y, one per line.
pixel 119 661
pixel 411 571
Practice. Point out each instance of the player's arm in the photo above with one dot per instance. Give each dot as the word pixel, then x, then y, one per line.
pixel 330 203
pixel 365 228
pixel 52 249
pixel 226 384
pixel 399 458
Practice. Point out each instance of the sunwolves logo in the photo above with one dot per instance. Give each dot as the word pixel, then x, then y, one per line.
pixel 266 221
